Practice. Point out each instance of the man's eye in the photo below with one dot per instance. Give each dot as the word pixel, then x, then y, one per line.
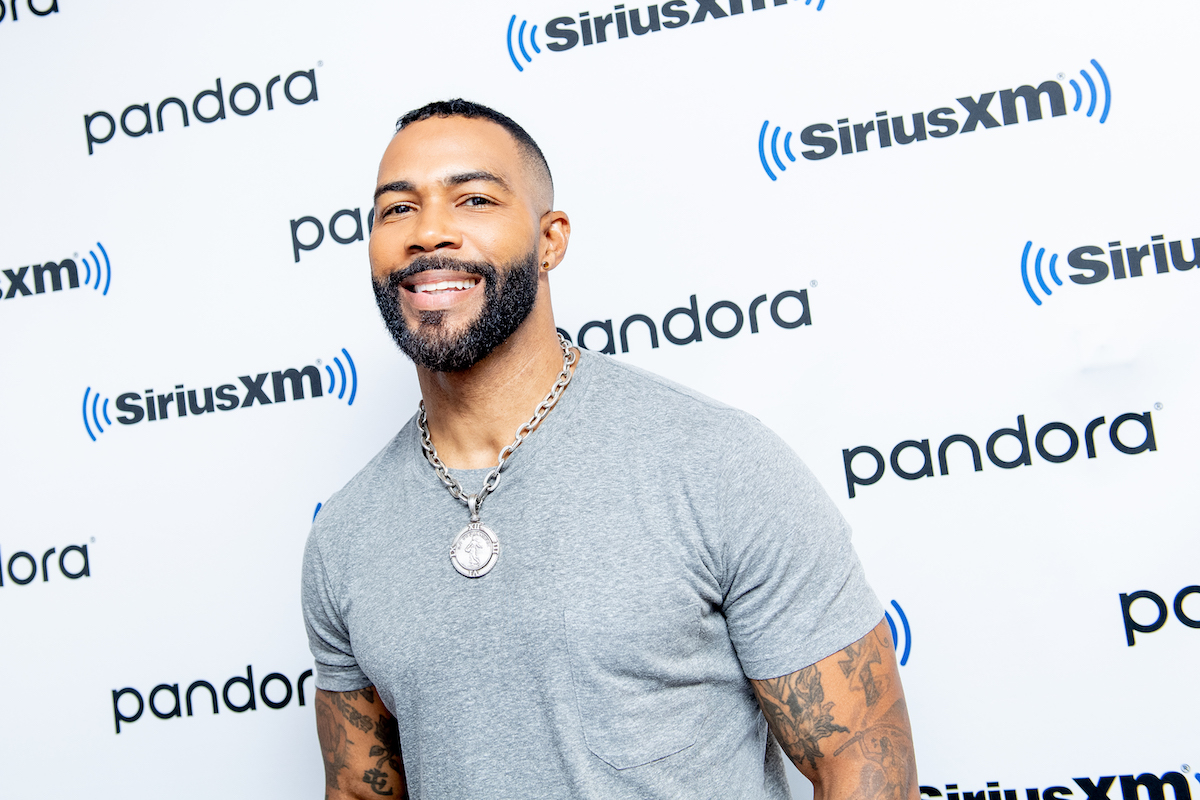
pixel 394 210
pixel 478 201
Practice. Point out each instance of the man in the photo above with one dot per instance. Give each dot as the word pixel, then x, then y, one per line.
pixel 654 594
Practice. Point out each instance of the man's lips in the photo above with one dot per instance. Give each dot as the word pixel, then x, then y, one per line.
pixel 432 280
pixel 443 286
pixel 434 289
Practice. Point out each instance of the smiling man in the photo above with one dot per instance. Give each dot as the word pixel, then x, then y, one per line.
pixel 642 593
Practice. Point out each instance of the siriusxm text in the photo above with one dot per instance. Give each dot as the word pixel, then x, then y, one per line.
pixel 40 278
pixel 1146 786
pixel 1126 262
pixel 971 114
pixel 598 28
pixel 265 388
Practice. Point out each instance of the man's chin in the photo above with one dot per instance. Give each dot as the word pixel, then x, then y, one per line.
pixel 434 320
pixel 439 350
pixel 439 329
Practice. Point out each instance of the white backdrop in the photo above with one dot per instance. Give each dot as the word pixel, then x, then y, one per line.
pixel 1014 589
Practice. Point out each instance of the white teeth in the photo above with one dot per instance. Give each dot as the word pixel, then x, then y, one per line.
pixel 444 285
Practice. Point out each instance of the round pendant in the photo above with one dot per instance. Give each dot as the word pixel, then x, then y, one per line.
pixel 475 550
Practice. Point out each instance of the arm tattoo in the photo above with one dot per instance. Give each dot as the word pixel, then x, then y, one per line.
pixel 884 743
pixel 337 721
pixel 872 747
pixel 857 669
pixel 350 713
pixel 887 750
pixel 386 751
pixel 335 747
pixel 368 693
pixel 796 704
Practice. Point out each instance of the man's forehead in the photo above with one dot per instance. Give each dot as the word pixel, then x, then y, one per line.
pixel 438 149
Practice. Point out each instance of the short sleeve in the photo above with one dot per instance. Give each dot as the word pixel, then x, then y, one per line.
pixel 328 636
pixel 794 589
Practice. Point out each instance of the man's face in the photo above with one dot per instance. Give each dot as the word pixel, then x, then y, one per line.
pixel 454 250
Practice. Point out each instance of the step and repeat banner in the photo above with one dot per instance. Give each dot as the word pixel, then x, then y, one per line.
pixel 948 251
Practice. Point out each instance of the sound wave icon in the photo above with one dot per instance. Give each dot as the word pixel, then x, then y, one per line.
pixel 520 41
pixel 787 146
pixel 1037 271
pixel 895 637
pixel 1093 94
pixel 96 411
pixel 339 381
pixel 102 270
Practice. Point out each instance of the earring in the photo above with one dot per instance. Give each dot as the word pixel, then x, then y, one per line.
pixel 545 265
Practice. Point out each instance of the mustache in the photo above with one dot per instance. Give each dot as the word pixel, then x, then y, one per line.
pixel 437 262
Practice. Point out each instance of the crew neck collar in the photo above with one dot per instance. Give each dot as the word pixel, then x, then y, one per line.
pixel 551 427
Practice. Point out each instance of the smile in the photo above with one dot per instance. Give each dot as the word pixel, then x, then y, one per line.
pixel 444 286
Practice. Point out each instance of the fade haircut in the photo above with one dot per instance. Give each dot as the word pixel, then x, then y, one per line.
pixel 468 110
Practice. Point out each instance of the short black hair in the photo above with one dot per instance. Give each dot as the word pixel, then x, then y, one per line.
pixel 465 108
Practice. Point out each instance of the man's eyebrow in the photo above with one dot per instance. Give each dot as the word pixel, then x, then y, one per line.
pixel 449 180
pixel 478 175
pixel 394 186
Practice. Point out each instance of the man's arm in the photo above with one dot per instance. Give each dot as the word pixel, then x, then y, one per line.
pixel 360 746
pixel 844 724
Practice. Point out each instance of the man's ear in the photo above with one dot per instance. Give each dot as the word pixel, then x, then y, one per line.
pixel 555 234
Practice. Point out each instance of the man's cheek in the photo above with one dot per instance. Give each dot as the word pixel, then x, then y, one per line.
pixel 378 256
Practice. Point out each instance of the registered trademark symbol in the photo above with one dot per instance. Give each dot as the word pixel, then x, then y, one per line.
pixel 1061 75
pixel 318 361
pixel 1186 768
pixel 322 63
pixel 75 255
pixel 812 284
pixel 1158 406
pixel 94 541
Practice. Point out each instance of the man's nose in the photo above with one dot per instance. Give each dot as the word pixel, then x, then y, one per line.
pixel 435 230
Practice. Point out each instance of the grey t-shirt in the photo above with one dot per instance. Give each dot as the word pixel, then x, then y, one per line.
pixel 657 549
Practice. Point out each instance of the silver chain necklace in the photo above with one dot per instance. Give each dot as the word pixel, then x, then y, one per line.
pixel 476 548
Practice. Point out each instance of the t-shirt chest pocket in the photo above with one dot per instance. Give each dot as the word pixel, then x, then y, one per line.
pixel 636 681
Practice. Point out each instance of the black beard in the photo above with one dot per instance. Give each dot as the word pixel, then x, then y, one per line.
pixel 508 299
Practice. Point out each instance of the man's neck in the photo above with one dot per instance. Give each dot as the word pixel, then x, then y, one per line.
pixel 475 413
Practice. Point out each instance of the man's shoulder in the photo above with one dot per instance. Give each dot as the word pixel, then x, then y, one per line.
pixel 355 500
pixel 623 382
pixel 686 422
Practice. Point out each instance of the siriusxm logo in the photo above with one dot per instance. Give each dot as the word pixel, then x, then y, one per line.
pixel 1131 625
pixel 937 124
pixel 1051 436
pixel 1125 263
pixel 244 99
pixel 56 271
pixel 351 216
pixel 590 29
pixel 238 694
pixel 23 567
pixel 724 320
pixel 156 408
pixel 15 6
pixel 1146 786
pixel 903 657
